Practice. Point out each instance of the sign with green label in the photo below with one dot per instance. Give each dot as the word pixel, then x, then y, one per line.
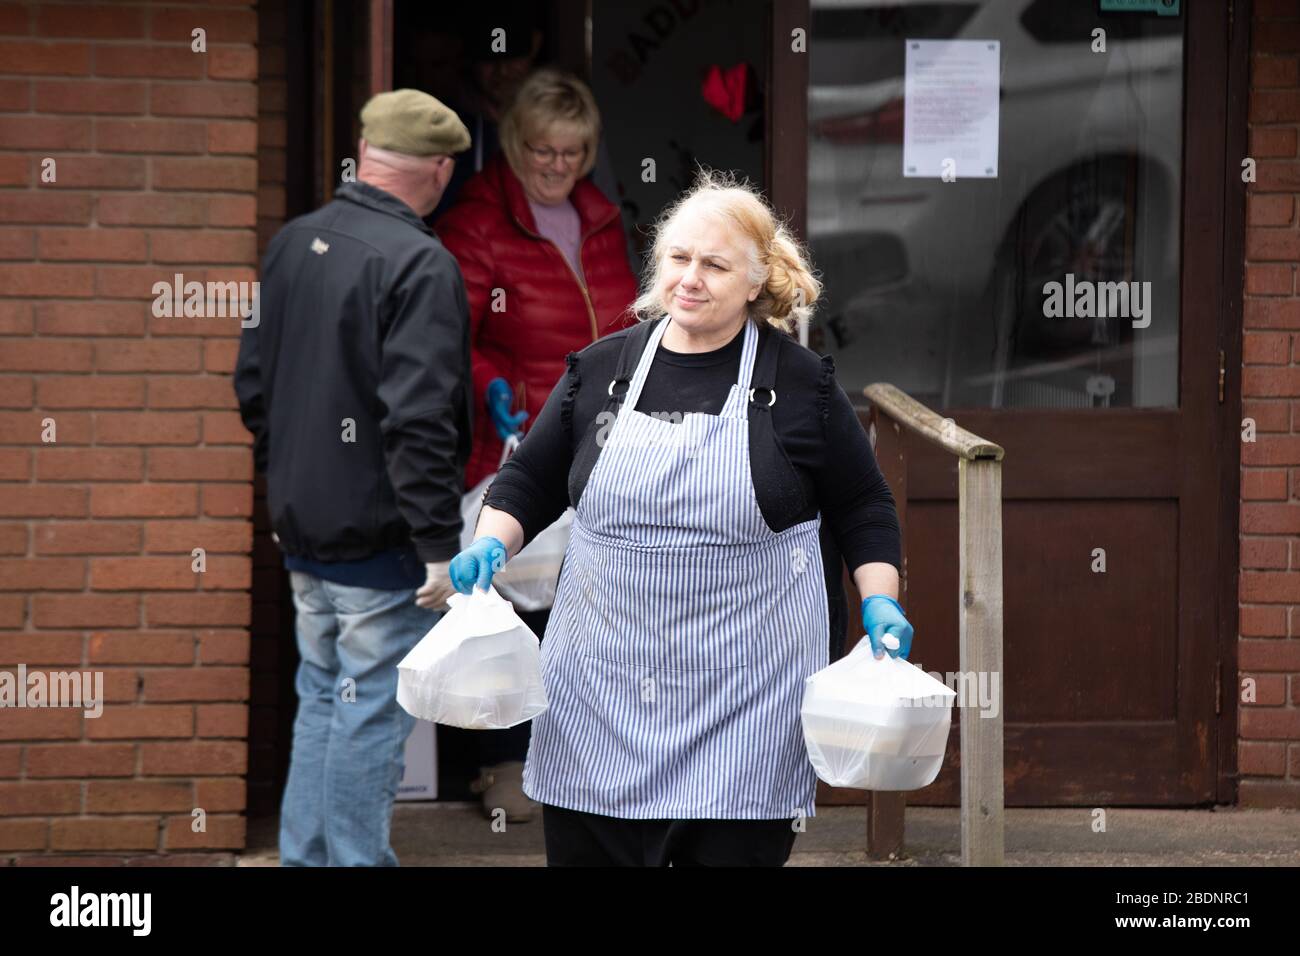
pixel 1163 8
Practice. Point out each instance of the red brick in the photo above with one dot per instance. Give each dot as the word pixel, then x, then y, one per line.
pixel 80 760
pixel 16 391
pixel 1261 759
pixel 223 647
pixel 45 209
pixel 146 428
pixel 15 318
pixel 147 357
pixel 150 136
pixel 136 796
pixel 1272 142
pixel 51 574
pixel 29 798
pixel 104 833
pixel 89 537
pixel 41 723
pixel 24 834
pixel 1269 794
pixel 1266 348
pixel 118 22
pixel 35 501
pixel 90 96
pixel 33 279
pixel 1274 106
pixel 194 758
pixel 1277 175
pixel 17 244
pixel 1269 689
pixel 15 19
pixel 90 391
pixel 155 210
pixel 225 175
pixel 223 720
pixel 210 464
pixel 220 356
pixel 142 574
pixel 144 501
pixel 1270 723
pixel 197 99
pixel 95 245
pixel 45 59
pixel 44 132
pixel 1271 382
pixel 222 26
pixel 232 63
pixel 100 172
pixel 1270 210
pixel 221 793
pixel 181 610
pixel 15 170
pixel 1259 485
pixel 1269 416
pixel 85 610
pixel 148 59
pixel 1265 587
pixel 29 427
pixel 213 536
pixel 1268 655
pixel 197 684
pixel 225 832
pixel 227 501
pixel 15 464
pixel 134 722
pixel 207 392
pixel 1272 243
pixel 52 647
pixel 1272 450
pixel 90 464
pixel 90 318
pixel 13 610
pixel 141 647
pixel 13 538
pixel 232 211
pixel 186 245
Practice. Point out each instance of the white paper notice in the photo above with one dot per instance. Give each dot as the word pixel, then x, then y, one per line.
pixel 950 109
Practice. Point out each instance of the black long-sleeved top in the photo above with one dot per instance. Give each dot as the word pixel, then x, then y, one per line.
pixel 820 460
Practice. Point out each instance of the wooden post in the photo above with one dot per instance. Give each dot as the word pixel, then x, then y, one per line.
pixel 979 498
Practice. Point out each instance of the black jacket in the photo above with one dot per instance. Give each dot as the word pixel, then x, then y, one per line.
pixel 355 382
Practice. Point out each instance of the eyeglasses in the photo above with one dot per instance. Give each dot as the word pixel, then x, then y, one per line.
pixel 546 155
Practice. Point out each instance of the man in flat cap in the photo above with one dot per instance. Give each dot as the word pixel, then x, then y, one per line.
pixel 355 385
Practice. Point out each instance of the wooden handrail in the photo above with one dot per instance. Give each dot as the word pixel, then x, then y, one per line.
pixel 944 432
pixel 979 616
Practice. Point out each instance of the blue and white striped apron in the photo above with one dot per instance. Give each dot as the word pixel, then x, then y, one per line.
pixel 682 631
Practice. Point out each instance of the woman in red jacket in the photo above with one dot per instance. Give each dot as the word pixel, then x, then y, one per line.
pixel 546 273
pixel 543 256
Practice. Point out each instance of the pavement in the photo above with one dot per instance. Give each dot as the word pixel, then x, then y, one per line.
pixel 445 833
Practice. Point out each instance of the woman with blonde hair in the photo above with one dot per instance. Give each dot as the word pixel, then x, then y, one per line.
pixel 701 449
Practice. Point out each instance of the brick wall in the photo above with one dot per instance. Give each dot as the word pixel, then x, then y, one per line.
pixel 157 173
pixel 1269 649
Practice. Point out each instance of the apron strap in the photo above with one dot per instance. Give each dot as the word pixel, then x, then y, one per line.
pixel 633 347
pixel 762 384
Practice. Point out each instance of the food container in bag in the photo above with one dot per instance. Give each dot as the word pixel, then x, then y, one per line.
pixel 876 724
pixel 478 668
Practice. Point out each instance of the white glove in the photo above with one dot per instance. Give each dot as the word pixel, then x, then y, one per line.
pixel 437 586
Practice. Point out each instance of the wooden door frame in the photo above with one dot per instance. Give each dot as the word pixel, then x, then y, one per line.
pixel 1215 94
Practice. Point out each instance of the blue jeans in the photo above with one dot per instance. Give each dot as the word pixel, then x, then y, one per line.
pixel 350 732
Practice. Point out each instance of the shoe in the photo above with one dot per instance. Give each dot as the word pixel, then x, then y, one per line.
pixel 502 788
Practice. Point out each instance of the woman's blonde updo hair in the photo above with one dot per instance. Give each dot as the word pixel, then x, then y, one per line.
pixel 776 258
pixel 548 97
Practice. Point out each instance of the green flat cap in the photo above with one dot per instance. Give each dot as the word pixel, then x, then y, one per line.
pixel 412 122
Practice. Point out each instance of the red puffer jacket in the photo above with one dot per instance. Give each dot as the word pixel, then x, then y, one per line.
pixel 545 312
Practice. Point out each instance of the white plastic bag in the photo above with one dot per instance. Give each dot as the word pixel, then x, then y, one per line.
pixel 478 668
pixel 529 578
pixel 876 724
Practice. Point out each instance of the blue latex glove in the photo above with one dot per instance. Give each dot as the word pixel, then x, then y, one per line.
pixel 882 615
pixel 476 565
pixel 499 399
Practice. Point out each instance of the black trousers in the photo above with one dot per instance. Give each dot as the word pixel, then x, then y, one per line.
pixel 574 838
